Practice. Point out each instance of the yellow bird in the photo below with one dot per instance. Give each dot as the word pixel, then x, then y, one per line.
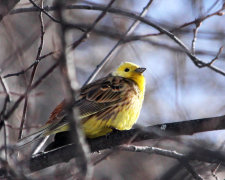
pixel 113 102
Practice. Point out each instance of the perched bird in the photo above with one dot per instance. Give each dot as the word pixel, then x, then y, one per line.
pixel 113 102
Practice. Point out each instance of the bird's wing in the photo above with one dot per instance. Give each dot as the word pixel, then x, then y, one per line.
pixel 94 97
pixel 100 95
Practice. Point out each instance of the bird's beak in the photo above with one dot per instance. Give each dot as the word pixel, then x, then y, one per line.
pixel 140 70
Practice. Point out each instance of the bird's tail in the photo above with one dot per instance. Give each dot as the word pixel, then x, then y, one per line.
pixel 42 133
pixel 29 139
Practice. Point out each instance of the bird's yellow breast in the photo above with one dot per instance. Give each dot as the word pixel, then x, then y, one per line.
pixel 124 119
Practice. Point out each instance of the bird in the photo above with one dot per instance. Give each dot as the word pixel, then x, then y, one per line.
pixel 112 102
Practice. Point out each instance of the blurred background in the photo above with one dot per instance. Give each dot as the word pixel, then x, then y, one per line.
pixel 176 89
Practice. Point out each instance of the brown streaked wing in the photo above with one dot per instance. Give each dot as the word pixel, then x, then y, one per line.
pixel 102 94
pixel 97 97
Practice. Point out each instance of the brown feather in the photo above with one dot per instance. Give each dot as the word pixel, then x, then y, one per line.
pixel 102 99
pixel 57 111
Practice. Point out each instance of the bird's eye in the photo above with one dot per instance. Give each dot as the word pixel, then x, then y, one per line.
pixel 127 70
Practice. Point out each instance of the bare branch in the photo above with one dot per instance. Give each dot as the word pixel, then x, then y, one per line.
pixel 191 170
pixel 7 98
pixel 164 152
pixel 86 34
pixel 65 153
pixel 128 32
pixel 198 62
pixel 217 56
pixel 3 111
pixel 213 5
pixel 24 45
pixel 46 13
pixel 197 24
pixel 33 72
pixel 35 84
pixel 28 68
pixel 201 19
pixel 215 170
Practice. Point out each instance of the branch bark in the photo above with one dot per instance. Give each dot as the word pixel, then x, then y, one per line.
pixel 190 127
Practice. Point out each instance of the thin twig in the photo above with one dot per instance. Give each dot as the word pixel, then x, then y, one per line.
pixel 35 84
pixel 18 128
pixel 199 21
pixel 108 56
pixel 217 13
pixel 213 5
pixel 197 24
pixel 33 72
pixel 199 63
pixel 29 67
pixel 42 10
pixel 100 7
pixel 23 118
pixel 5 141
pixel 24 45
pixel 164 152
pixel 215 170
pixel 217 56
pixel 153 150
pixel 2 113
pixel 86 34
pixel 129 31
pixel 47 14
pixel 19 94
pixel 191 170
pixel 7 98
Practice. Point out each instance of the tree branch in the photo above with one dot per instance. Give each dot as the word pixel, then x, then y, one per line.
pixel 182 158
pixel 190 127
pixel 115 47
pixel 33 72
pixel 41 9
pixel 198 62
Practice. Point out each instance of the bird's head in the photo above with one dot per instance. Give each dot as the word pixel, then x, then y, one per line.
pixel 131 71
